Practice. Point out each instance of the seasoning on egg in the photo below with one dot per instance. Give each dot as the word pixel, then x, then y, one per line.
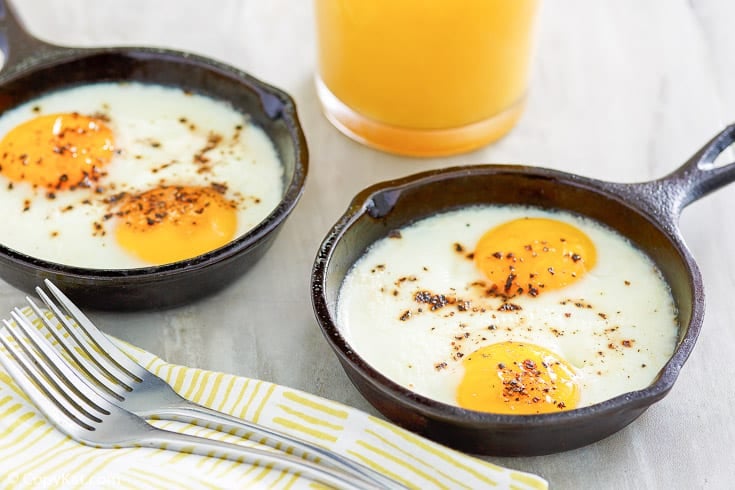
pixel 528 380
pixel 171 222
pixel 213 139
pixel 436 301
pixel 57 151
pixel 509 307
pixel 516 266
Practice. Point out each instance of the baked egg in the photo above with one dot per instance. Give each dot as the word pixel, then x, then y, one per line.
pixel 509 309
pixel 127 175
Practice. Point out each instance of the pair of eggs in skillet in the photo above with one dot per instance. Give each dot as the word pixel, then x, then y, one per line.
pixel 509 309
pixel 126 175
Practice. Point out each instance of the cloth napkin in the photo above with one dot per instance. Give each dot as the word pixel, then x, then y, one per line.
pixel 34 455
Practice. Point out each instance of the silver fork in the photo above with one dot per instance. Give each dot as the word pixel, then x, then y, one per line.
pixel 75 408
pixel 129 385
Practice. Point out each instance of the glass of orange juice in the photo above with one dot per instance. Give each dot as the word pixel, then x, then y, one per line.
pixel 424 77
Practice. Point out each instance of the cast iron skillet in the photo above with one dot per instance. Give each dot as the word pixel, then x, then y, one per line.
pixel 647 213
pixel 33 67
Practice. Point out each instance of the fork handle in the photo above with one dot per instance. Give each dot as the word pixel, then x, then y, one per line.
pixel 193 413
pixel 185 443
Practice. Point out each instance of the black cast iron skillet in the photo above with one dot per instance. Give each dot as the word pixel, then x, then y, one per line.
pixel 647 213
pixel 33 67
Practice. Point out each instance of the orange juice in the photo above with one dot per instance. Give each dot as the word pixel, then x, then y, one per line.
pixel 424 69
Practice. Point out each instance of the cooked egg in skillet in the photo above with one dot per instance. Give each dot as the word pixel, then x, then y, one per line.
pixel 509 309
pixel 125 175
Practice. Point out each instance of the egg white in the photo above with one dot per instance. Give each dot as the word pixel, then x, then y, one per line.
pixel 617 326
pixel 158 130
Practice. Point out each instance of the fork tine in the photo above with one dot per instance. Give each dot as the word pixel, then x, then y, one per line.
pixel 50 363
pixel 103 350
pixel 88 368
pixel 35 383
pixel 45 355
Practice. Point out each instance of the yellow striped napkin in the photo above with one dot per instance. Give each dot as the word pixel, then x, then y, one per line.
pixel 34 455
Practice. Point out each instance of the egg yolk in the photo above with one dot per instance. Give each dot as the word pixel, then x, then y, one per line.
pixel 57 151
pixel 532 255
pixel 168 224
pixel 517 378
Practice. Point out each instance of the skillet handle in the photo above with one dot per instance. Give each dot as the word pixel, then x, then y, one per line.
pixel 16 43
pixel 698 176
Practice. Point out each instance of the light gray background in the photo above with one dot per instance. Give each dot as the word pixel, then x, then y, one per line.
pixel 623 90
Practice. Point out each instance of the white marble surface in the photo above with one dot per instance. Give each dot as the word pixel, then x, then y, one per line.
pixel 622 90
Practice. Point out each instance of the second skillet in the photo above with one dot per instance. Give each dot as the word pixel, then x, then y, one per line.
pixel 33 68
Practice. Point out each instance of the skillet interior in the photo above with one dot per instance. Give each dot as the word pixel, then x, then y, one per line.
pixel 173 284
pixel 380 209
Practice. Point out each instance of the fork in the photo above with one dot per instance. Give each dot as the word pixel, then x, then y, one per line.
pixel 71 404
pixel 129 385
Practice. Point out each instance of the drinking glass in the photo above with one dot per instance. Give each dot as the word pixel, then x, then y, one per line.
pixel 424 77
